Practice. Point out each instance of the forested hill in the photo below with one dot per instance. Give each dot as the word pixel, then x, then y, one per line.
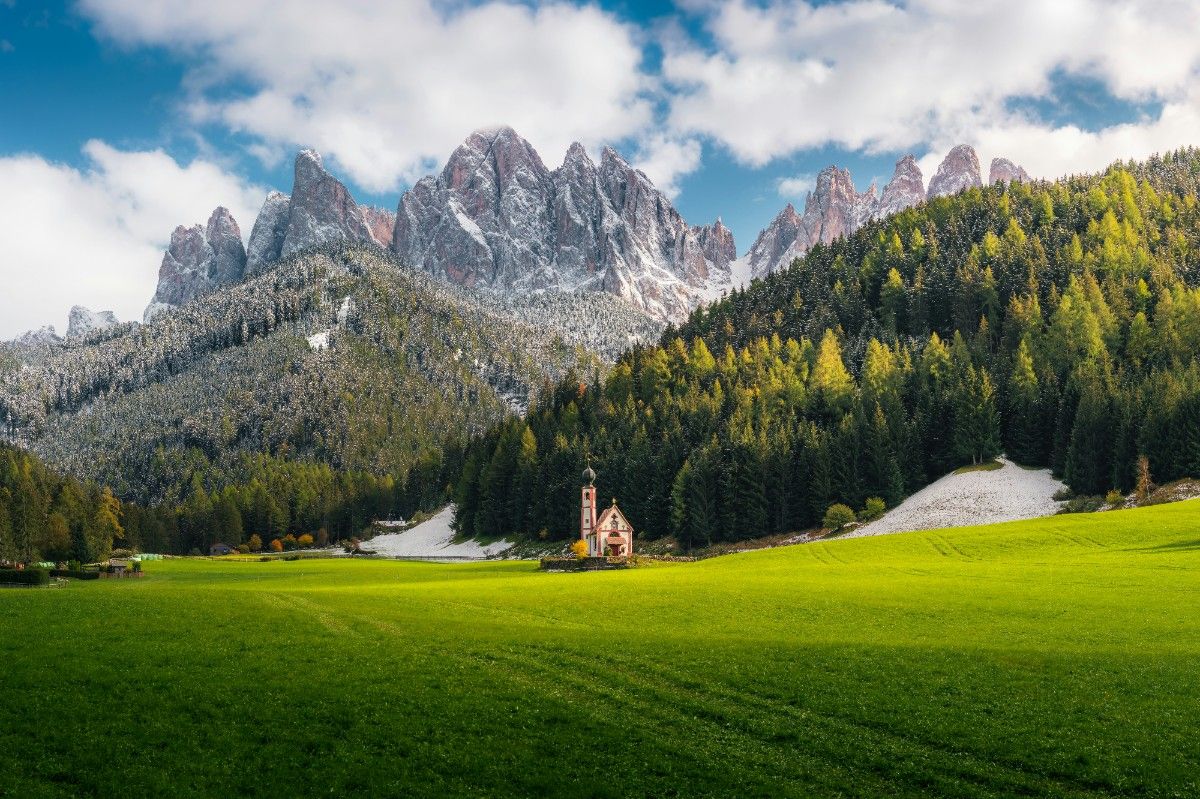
pixel 341 358
pixel 1059 322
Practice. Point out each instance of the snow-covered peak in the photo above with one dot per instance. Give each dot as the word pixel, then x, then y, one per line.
pixel 83 321
pixel 959 170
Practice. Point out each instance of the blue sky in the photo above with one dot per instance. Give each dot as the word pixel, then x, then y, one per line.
pixel 124 118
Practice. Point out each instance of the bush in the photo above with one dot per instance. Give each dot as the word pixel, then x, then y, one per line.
pixel 1063 494
pixel 75 574
pixel 305 541
pixel 25 576
pixel 73 565
pixel 1114 497
pixel 276 545
pixel 322 537
pixel 579 549
pixel 838 516
pixel 122 553
pixel 289 542
pixel 255 543
pixel 243 549
pixel 872 510
pixel 137 567
pixel 195 553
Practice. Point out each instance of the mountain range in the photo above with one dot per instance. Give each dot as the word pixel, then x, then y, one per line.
pixel 497 218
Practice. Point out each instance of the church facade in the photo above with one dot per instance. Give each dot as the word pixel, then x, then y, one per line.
pixel 607 534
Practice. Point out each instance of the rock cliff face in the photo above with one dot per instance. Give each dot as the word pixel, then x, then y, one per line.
pixel 497 217
pixel 266 238
pixel 1005 171
pixel 199 260
pixel 82 322
pixel 904 190
pixel 834 209
pixel 321 210
pixel 959 170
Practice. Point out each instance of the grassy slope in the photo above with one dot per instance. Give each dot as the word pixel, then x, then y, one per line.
pixel 1054 657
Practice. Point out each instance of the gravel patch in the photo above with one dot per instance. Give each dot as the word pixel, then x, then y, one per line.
pixel 958 500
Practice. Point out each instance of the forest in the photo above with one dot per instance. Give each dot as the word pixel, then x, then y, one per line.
pixel 1056 322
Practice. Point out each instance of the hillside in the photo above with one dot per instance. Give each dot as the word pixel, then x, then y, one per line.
pixel 337 356
pixel 1052 321
pixel 1053 657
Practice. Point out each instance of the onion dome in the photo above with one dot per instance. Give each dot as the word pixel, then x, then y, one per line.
pixel 589 476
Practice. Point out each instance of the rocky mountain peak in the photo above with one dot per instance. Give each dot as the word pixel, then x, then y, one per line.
pixel 904 190
pixel 959 170
pixel 266 238
pixel 321 209
pixel 83 321
pixel 1005 171
pixel 199 259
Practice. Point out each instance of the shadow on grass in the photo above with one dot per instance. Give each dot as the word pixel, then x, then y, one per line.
pixel 1176 546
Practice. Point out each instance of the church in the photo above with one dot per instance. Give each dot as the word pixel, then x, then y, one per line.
pixel 610 534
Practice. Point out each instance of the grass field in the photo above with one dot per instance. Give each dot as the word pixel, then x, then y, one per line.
pixel 1056 657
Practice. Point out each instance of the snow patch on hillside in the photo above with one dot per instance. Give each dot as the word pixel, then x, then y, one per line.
pixel 957 500
pixel 431 539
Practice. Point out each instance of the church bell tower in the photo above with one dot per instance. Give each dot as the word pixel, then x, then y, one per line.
pixel 587 524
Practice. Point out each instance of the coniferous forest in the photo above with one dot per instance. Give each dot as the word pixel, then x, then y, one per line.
pixel 1056 322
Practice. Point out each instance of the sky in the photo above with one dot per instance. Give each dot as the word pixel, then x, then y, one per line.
pixel 120 119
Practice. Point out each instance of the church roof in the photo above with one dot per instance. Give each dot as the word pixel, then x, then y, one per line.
pixel 608 513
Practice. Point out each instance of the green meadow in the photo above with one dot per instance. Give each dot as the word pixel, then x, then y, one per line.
pixel 1056 657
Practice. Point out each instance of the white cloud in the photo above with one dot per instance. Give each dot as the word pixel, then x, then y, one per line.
pixel 95 236
pixel 867 75
pixel 388 89
pixel 666 160
pixel 796 187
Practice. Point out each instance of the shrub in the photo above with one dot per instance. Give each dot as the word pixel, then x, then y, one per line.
pixel 1063 494
pixel 195 553
pixel 1114 497
pixel 122 553
pixel 872 510
pixel 322 537
pixel 243 549
pixel 838 516
pixel 73 565
pixel 289 542
pixel 75 574
pixel 137 567
pixel 25 576
pixel 305 541
pixel 276 545
pixel 255 543
pixel 579 549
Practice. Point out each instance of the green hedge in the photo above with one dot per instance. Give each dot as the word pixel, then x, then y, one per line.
pixel 25 576
pixel 78 574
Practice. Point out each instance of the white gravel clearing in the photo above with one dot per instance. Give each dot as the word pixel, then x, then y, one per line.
pixel 432 539
pixel 958 500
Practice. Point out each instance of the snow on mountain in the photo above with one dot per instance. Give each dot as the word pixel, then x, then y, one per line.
pixel 83 321
pixel 1005 171
pixel 835 209
pixel 497 218
pixel 959 170
pixel 199 260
